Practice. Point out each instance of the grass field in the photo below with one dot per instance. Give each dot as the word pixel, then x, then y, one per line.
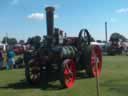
pixel 113 82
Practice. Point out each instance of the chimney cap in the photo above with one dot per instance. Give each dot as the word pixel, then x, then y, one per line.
pixel 49 8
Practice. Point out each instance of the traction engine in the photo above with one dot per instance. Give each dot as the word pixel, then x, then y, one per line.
pixel 60 57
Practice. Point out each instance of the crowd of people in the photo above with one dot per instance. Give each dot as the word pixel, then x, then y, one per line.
pixel 12 56
pixel 7 59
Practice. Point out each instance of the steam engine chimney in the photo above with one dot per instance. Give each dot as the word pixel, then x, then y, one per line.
pixel 50 22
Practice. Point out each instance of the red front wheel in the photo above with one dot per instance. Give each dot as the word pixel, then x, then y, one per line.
pixel 68 73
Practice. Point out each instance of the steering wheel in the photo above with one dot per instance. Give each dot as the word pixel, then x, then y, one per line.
pixel 84 36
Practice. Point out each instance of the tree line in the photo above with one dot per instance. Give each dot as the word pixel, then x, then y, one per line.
pixel 35 40
pixel 31 40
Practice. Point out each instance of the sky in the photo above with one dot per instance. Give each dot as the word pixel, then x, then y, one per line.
pixel 26 18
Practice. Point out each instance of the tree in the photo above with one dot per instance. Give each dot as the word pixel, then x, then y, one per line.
pixel 34 41
pixel 10 41
pixel 104 41
pixel 21 42
pixel 99 41
pixel 5 40
pixel 116 37
pixel 29 41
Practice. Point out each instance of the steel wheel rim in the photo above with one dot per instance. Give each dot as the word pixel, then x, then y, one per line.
pixel 69 73
pixel 96 58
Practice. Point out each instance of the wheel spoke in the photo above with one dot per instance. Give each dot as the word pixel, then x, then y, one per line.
pixel 66 72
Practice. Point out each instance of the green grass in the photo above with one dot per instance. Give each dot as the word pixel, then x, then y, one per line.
pixel 113 82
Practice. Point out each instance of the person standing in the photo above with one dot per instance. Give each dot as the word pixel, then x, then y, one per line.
pixel 10 59
pixel 1 59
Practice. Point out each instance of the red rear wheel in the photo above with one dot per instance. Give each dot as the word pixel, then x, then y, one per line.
pixel 68 73
pixel 95 56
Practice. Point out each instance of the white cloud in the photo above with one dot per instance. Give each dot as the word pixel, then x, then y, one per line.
pixel 36 16
pixel 122 10
pixel 39 16
pixel 14 2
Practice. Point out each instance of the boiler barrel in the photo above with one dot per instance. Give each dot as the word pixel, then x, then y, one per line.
pixel 69 52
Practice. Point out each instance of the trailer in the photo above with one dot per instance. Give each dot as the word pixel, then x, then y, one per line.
pixel 60 57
